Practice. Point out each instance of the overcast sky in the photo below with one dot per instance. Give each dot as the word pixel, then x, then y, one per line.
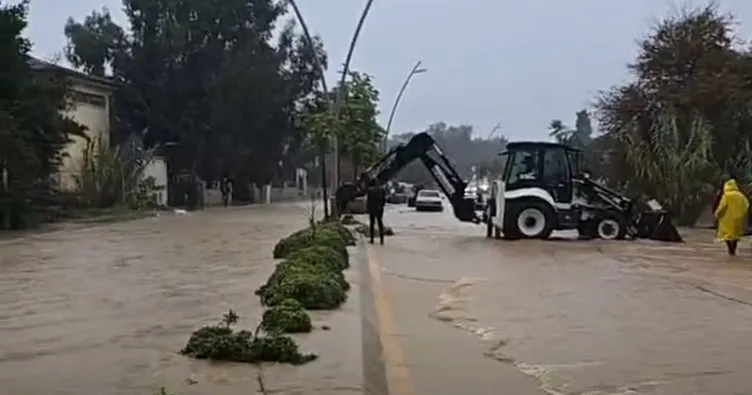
pixel 518 63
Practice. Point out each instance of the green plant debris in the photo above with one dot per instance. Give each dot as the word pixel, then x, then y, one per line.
pixel 308 237
pixel 316 290
pixel 366 231
pixel 318 255
pixel 312 271
pixel 221 343
pixel 338 227
pixel 292 267
pixel 288 316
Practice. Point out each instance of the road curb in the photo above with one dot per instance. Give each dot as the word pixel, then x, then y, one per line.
pixel 374 369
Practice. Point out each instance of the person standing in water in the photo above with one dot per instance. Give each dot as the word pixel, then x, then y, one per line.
pixel 732 215
pixel 375 201
pixel 225 187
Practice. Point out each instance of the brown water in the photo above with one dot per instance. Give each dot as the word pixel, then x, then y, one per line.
pixel 103 310
pixel 595 317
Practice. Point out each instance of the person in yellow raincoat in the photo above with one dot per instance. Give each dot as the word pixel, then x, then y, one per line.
pixel 732 215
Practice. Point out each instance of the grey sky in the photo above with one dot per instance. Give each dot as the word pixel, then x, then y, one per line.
pixel 518 63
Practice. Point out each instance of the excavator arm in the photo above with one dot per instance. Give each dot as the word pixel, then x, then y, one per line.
pixel 421 147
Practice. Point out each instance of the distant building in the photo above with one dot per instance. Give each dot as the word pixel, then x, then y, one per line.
pixel 92 102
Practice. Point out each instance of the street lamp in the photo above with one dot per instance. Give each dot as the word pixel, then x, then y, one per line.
pixel 341 91
pixel 337 105
pixel 322 79
pixel 417 69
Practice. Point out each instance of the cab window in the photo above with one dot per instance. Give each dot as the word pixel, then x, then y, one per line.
pixel 555 166
pixel 524 166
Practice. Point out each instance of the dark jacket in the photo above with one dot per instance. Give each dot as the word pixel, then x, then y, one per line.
pixel 375 200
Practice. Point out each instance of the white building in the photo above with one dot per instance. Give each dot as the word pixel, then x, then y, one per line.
pixel 92 100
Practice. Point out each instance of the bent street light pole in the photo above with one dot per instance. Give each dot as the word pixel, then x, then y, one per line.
pixel 341 91
pixel 311 45
pixel 322 80
pixel 416 70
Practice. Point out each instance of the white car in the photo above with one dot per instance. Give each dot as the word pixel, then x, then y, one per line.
pixel 429 200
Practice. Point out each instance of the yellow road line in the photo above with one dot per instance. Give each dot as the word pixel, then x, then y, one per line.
pixel 398 374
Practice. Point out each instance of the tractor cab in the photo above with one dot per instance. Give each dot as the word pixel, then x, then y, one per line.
pixel 534 195
pixel 543 165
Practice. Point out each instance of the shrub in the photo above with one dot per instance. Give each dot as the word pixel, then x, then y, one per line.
pixel 320 255
pixel 221 343
pixel 314 289
pixel 274 347
pixel 366 231
pixel 287 317
pixel 341 229
pixel 292 267
pixel 311 237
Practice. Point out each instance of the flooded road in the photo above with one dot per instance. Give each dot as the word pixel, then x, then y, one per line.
pixel 103 310
pixel 580 317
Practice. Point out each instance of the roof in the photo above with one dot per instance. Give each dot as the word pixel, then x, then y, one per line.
pixel 41 65
pixel 526 145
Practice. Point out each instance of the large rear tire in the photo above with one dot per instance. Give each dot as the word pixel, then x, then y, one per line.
pixel 530 219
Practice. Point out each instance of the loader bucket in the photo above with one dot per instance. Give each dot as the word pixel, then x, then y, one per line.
pixel 657 225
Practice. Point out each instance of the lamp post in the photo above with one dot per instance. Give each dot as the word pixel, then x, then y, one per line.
pixel 417 69
pixel 322 80
pixel 341 92
pixel 335 107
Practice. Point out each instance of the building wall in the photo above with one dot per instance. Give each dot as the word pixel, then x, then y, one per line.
pixel 157 168
pixel 91 109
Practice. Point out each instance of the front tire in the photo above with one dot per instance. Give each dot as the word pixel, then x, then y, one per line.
pixel 610 227
pixel 530 219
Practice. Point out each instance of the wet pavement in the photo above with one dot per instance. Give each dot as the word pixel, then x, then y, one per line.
pixel 104 309
pixel 477 316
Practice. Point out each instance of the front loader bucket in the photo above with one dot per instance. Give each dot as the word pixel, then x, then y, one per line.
pixel 657 225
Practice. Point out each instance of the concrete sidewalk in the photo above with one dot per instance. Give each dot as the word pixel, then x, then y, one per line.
pixel 337 339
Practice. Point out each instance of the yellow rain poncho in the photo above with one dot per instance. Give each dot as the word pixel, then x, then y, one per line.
pixel 732 212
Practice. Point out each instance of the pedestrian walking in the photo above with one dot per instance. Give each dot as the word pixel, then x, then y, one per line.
pixel 225 187
pixel 731 213
pixel 375 201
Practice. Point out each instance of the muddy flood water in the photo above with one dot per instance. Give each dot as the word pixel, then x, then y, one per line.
pixel 103 310
pixel 595 317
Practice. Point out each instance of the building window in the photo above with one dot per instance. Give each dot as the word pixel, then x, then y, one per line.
pixel 89 98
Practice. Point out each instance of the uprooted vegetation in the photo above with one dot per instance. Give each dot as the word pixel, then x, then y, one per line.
pixel 221 342
pixel 310 277
pixel 311 271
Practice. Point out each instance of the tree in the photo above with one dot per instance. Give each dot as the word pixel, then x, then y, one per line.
pixel 97 42
pixel 685 120
pixel 583 129
pixel 359 131
pixel 357 128
pixel 579 137
pixel 562 133
pixel 199 75
pixel 33 132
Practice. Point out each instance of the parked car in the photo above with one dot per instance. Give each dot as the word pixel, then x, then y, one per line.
pixel 429 200
pixel 396 198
